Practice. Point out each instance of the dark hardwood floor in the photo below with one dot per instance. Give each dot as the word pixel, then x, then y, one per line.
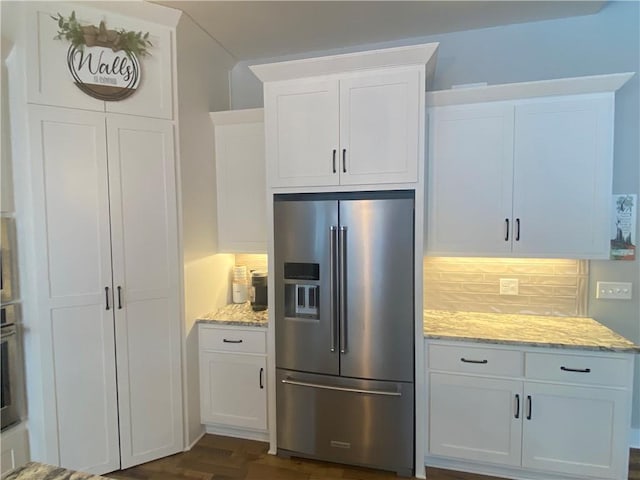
pixel 224 458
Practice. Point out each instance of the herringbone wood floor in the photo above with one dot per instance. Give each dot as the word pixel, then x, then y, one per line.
pixel 223 458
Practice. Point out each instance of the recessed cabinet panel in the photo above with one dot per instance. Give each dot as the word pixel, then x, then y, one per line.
pixel 241 181
pixel 302 133
pixel 563 176
pixel 379 116
pixel 234 392
pixel 470 179
pixel 71 147
pixel 84 355
pixel 475 418
pixel 50 83
pixel 575 430
pixel 154 96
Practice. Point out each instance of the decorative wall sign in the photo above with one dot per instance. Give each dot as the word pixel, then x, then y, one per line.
pixel 623 238
pixel 103 63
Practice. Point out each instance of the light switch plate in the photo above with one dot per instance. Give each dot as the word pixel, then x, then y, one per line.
pixel 614 290
pixel 508 286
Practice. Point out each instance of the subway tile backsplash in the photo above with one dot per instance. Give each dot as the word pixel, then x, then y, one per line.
pixel 546 286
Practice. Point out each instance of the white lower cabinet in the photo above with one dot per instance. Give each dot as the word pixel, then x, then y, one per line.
pixel 542 415
pixel 233 381
pixel 474 418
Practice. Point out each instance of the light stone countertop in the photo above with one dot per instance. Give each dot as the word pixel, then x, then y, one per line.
pixel 41 471
pixel 240 314
pixel 533 330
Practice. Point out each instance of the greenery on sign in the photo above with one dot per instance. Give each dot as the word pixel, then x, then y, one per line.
pixel 90 35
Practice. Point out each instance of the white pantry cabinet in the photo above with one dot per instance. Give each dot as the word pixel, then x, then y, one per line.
pixel 50 83
pixel 351 119
pixel 107 252
pixel 528 412
pixel 233 393
pixel 529 176
pixel 241 182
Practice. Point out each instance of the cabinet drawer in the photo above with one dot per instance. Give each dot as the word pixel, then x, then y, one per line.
pixel 481 360
pixel 232 340
pixel 584 369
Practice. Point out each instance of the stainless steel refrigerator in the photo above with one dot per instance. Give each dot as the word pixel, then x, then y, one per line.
pixel 344 326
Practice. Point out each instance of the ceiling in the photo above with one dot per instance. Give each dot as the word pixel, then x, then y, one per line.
pixel 251 30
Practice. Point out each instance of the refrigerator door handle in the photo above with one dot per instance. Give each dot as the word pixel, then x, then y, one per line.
pixel 333 281
pixel 342 389
pixel 343 288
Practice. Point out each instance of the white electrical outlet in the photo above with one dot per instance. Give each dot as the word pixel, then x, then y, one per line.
pixel 508 286
pixel 614 290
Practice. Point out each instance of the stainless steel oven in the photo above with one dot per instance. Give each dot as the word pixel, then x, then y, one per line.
pixel 10 366
pixel 8 282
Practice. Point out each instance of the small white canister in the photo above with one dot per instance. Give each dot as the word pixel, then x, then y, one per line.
pixel 240 292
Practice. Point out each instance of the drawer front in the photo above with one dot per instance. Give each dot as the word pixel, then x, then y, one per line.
pixel 232 340
pixel 584 369
pixel 481 360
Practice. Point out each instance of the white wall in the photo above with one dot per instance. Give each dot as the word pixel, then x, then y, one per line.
pixel 606 42
pixel 203 86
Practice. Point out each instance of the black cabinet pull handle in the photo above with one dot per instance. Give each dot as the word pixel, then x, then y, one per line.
pixel 225 340
pixel 517 229
pixel 334 160
pixel 578 370
pixel 466 360
pixel 119 297
pixel 517 415
pixel 506 234
pixel 261 372
pixel 106 297
pixel 528 407
pixel 344 160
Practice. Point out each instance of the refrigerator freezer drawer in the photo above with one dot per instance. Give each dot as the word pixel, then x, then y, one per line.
pixel 359 422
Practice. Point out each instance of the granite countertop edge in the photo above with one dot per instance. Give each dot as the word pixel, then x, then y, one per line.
pixel 236 314
pixel 236 323
pixel 567 333
pixel 531 343
pixel 40 471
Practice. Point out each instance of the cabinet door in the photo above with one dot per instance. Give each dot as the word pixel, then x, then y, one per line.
pixel 146 278
pixel 241 188
pixel 301 126
pixel 563 175
pixel 575 430
pixel 233 390
pixel 73 255
pixel 470 180
pixel 475 418
pixel 379 128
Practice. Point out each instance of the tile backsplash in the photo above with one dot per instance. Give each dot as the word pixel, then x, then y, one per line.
pixel 252 261
pixel 546 286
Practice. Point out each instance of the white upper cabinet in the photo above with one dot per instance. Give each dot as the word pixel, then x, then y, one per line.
pixel 50 82
pixel 353 119
pixel 528 173
pixel 471 157
pixel 241 181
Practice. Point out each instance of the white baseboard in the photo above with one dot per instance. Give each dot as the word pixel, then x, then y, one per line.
pixel 260 435
pixel 190 446
pixel 634 441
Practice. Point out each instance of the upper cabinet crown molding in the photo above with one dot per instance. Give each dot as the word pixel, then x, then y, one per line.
pixel 424 54
pixel 523 90
pixel 50 83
